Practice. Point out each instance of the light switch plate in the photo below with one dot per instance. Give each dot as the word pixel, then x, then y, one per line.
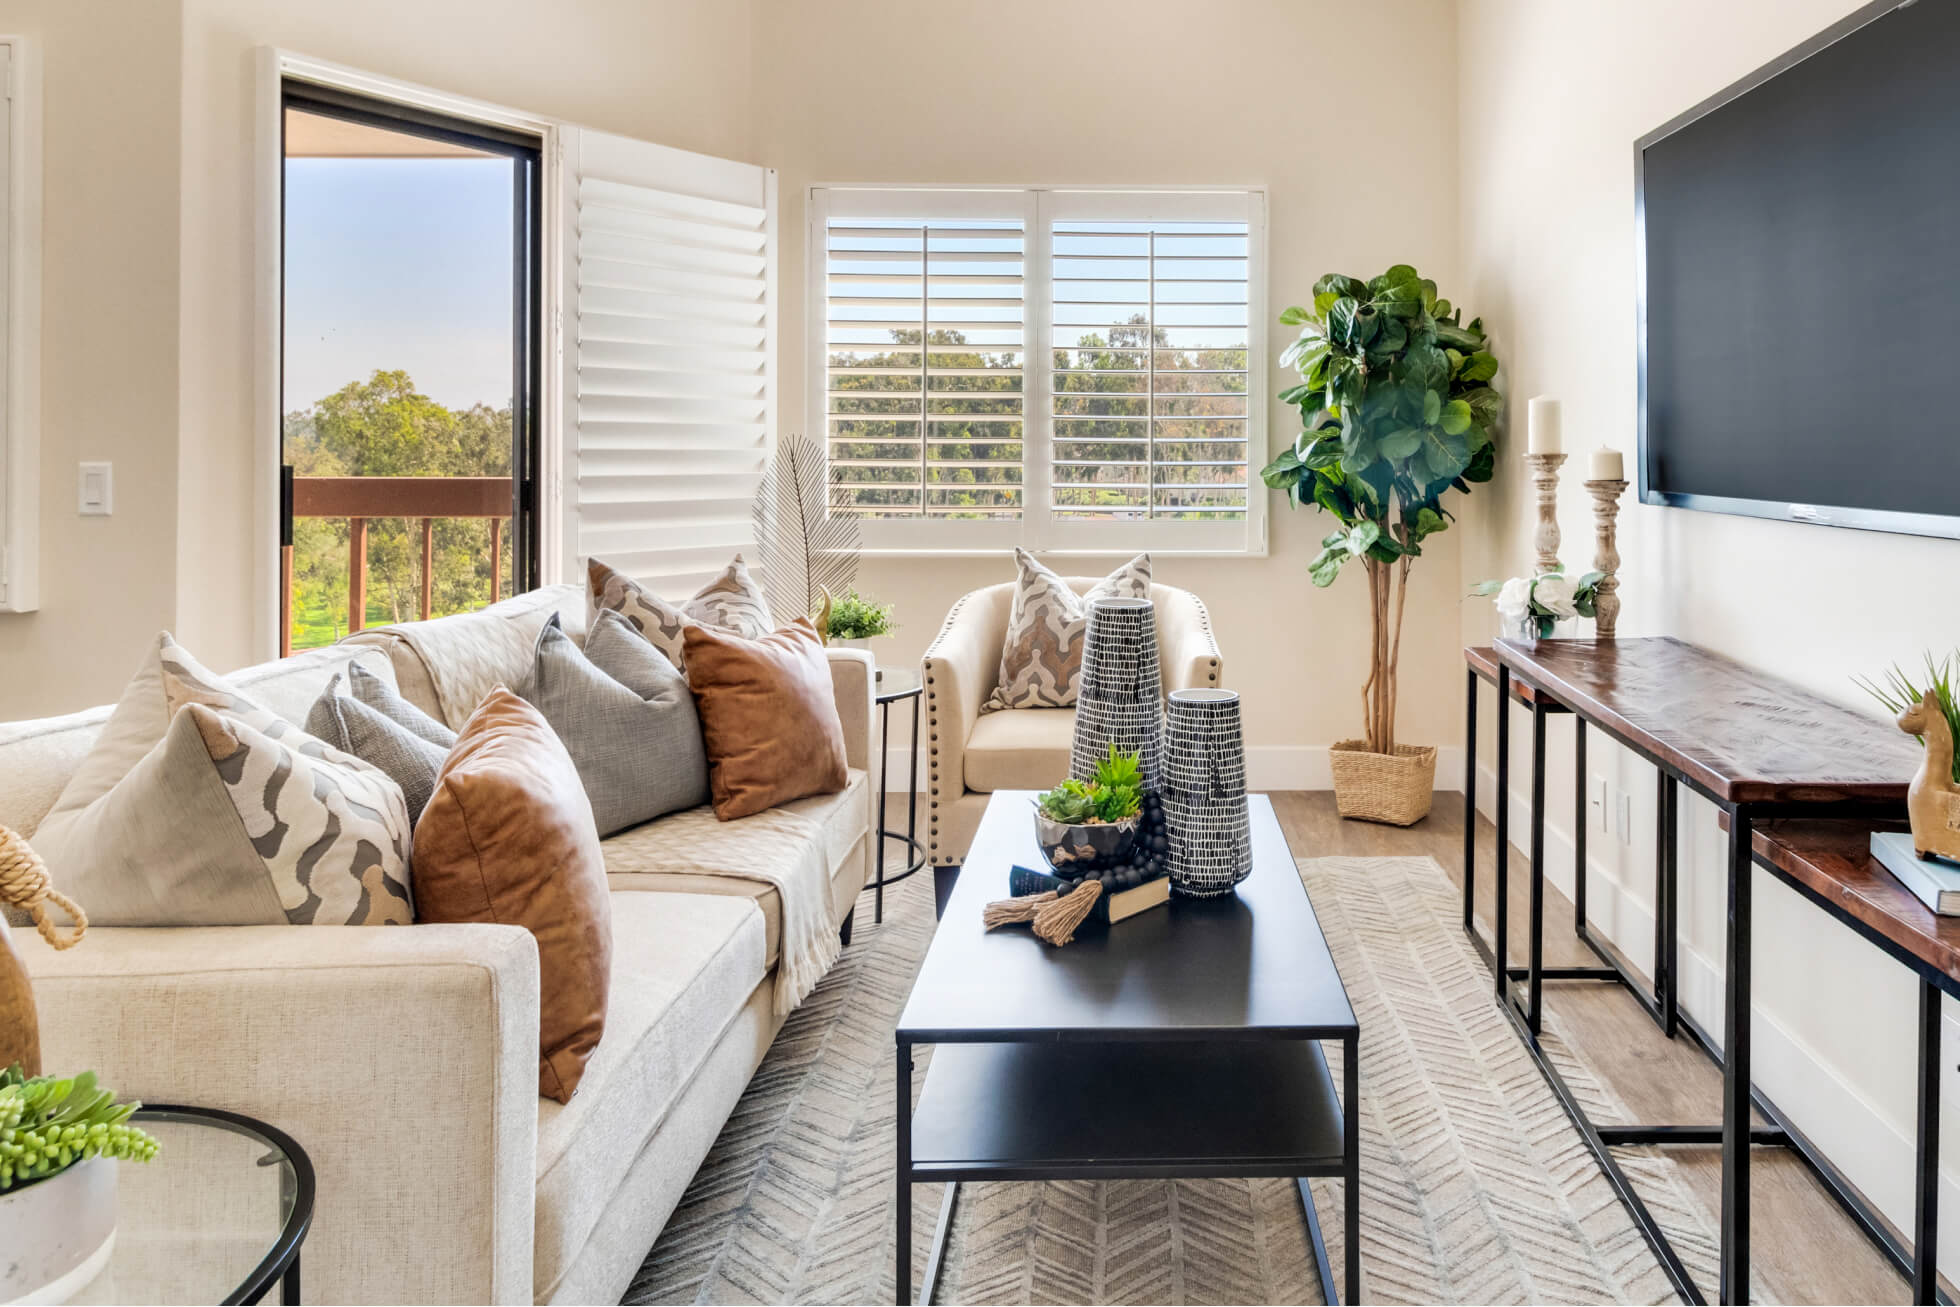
pixel 97 489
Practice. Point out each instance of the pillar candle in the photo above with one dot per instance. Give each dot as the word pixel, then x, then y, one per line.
pixel 1543 435
pixel 1607 465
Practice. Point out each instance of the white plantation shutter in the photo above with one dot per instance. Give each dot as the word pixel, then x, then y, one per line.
pixel 923 349
pixel 1077 370
pixel 669 356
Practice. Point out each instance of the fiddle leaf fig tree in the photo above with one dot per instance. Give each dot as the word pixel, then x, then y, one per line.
pixel 1396 410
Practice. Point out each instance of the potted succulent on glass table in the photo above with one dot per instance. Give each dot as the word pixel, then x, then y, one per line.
pixel 60 1140
pixel 852 621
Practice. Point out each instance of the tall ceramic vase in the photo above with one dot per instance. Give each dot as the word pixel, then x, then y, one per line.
pixel 1120 697
pixel 1204 792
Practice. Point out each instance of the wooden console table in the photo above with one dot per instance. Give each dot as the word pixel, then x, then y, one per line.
pixel 1755 747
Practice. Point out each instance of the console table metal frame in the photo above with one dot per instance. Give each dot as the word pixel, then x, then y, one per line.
pixel 1736 1133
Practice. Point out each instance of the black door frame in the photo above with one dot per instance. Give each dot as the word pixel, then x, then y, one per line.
pixel 527 285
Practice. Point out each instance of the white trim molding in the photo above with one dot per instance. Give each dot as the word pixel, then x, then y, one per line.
pixel 20 330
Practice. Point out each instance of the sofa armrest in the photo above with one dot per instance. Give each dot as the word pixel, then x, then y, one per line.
pixel 961 668
pixel 404 1061
pixel 853 678
pixel 1187 647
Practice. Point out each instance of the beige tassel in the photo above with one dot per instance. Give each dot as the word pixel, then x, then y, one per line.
pixel 1056 922
pixel 24 884
pixel 1012 912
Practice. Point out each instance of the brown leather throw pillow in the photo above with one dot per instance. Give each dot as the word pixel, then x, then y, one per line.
pixel 508 837
pixel 768 716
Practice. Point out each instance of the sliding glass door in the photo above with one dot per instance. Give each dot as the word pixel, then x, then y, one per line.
pixel 409 369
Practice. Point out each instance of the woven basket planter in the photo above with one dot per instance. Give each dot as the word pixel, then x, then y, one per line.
pixel 1392 788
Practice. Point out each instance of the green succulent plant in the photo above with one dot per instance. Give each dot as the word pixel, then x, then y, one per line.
pixel 853 617
pixel 1396 410
pixel 48 1125
pixel 1114 793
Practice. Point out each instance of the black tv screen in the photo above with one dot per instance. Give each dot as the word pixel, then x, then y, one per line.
pixel 1800 284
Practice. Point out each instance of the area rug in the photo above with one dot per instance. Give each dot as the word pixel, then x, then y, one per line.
pixel 1475 1187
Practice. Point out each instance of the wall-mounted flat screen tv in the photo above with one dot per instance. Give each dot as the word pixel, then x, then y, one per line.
pixel 1799 240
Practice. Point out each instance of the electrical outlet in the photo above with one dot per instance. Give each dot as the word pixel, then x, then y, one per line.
pixel 1626 818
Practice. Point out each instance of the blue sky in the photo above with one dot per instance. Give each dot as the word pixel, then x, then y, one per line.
pixel 399 263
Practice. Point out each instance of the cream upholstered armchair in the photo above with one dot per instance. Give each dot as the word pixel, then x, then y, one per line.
pixel 973 754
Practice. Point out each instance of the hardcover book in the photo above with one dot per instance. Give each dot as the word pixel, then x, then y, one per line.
pixel 1111 907
pixel 1935 881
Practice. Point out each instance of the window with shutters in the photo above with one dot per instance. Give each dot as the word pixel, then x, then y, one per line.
pixel 1072 370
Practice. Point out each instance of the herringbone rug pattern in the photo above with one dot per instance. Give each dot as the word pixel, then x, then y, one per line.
pixel 1475 1188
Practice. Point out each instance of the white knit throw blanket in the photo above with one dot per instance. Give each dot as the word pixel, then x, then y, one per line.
pixel 470 656
pixel 779 847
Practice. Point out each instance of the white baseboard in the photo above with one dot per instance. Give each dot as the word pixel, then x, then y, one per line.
pixel 1268 767
pixel 1839 1119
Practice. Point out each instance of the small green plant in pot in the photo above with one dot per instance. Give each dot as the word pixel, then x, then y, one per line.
pixel 1085 825
pixel 50 1123
pixel 855 620
pixel 1930 713
pixel 1396 411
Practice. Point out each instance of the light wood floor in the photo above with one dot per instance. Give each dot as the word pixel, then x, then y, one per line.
pixel 1804 1247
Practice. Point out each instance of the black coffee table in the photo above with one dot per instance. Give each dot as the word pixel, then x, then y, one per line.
pixel 1182 1042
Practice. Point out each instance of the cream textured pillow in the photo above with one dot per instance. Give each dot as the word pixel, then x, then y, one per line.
pixel 732 603
pixel 1042 655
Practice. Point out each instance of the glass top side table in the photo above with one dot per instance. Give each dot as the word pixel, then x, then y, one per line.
pixel 895 684
pixel 217 1216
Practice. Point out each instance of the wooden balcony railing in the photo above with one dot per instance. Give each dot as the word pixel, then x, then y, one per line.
pixel 363 499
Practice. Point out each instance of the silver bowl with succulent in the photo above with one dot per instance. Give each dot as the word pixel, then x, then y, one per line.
pixel 1089 825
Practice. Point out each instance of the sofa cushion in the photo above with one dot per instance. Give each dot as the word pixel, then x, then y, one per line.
pixel 508 838
pixel 668 854
pixel 1041 656
pixel 768 715
pixel 348 724
pixel 1021 749
pixel 626 717
pixel 731 602
pixel 683 966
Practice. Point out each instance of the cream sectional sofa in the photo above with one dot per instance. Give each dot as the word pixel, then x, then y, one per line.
pixel 405 1060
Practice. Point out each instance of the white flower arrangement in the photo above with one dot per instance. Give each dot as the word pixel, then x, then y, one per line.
pixel 1539 601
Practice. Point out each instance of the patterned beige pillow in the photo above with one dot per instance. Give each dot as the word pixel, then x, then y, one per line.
pixel 732 602
pixel 1042 656
pixel 235 817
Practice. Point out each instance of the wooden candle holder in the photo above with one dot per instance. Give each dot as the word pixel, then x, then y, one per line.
pixel 1606 554
pixel 1544 472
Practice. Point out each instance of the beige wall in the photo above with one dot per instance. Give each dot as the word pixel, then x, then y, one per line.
pixel 108 346
pixel 1553 96
pixel 1025 91
pixel 673 71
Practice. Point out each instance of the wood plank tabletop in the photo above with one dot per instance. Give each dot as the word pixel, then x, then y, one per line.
pixel 1740 734
pixel 1483 661
pixel 1833 859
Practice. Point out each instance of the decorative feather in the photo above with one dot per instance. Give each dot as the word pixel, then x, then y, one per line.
pixel 806 551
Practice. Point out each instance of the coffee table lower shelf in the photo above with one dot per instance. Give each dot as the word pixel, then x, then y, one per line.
pixel 1110 1109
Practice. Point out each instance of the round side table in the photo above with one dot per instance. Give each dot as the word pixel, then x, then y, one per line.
pixel 217 1216
pixel 894 684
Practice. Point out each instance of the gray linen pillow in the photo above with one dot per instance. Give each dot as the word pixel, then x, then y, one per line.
pixel 386 700
pixel 626 717
pixel 352 726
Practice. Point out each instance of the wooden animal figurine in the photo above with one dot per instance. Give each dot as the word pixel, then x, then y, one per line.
pixel 1933 800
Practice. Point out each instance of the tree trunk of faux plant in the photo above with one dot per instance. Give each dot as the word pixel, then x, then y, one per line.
pixel 1388 594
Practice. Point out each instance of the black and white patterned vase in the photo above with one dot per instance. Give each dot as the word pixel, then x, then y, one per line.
pixel 1120 696
pixel 1204 792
